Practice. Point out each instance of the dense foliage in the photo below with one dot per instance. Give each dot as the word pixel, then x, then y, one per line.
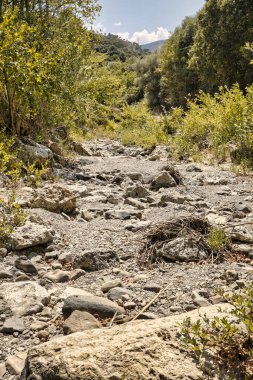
pixel 221 124
pixel 118 49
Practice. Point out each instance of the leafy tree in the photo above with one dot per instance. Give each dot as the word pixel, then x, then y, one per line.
pixel 178 80
pixel 223 29
pixel 44 45
pixel 117 48
pixel 148 79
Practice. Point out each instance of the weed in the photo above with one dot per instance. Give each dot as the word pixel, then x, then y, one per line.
pixel 217 239
pixel 226 339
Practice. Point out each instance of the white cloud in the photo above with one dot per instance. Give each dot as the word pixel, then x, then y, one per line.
pixel 145 37
pixel 118 23
pixel 99 27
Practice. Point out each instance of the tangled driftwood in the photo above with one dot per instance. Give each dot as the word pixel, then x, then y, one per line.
pixel 194 229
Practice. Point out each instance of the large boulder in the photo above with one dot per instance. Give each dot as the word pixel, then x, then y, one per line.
pixel 134 351
pixel 24 298
pixel 35 153
pixel 30 235
pixel 55 198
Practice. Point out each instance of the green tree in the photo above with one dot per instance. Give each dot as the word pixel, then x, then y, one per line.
pixel 224 27
pixel 177 79
pixel 148 79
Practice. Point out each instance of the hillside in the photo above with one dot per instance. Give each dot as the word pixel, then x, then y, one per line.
pixel 117 48
pixel 153 46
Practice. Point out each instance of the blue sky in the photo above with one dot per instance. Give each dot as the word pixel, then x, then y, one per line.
pixel 144 21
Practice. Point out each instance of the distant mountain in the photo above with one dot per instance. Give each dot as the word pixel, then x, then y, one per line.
pixel 153 46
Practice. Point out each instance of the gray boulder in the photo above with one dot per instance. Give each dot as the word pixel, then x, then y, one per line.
pixel 94 305
pixel 24 298
pixel 164 180
pixel 30 235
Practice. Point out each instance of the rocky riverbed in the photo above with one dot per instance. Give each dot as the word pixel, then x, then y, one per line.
pixel 76 264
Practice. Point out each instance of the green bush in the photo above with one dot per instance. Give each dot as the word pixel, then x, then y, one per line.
pixel 222 124
pixel 139 127
pixel 228 341
pixel 11 216
pixel 217 239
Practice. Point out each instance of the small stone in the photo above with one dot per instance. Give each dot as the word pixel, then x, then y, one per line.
pixel 140 277
pixel 22 277
pixel 25 265
pixel 137 191
pixel 176 309
pixel 4 274
pixel 13 324
pixel 231 275
pixel 38 326
pixel 130 305
pixel 2 370
pixel 152 287
pixel 92 304
pixel 51 255
pixel 77 273
pixel 217 299
pixel 148 315
pixel 241 284
pixel 86 215
pixel 163 180
pixel 116 294
pixel 57 276
pixel 15 364
pixel 111 284
pixel 199 300
pixel 135 176
pixel 66 257
pixel 3 252
pixel 80 321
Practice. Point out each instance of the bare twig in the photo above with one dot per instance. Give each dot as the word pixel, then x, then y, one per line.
pixel 151 302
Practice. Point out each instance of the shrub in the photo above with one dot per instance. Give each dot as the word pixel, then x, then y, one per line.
pixel 226 340
pixel 9 164
pixel 139 127
pixel 11 216
pixel 217 239
pixel 222 123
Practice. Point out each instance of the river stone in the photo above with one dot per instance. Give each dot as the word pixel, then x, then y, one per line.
pixel 30 235
pixel 133 351
pixel 13 324
pixel 24 298
pixel 94 305
pixel 117 293
pixel 182 249
pixel 25 265
pixel 16 363
pixel 55 198
pixel 123 214
pixel 80 321
pixel 111 284
pixel 163 180
pixel 137 191
pixel 57 276
pixel 35 153
pixel 95 259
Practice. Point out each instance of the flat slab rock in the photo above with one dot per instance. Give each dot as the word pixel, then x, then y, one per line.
pixel 135 351
pixel 31 235
pixel 24 298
